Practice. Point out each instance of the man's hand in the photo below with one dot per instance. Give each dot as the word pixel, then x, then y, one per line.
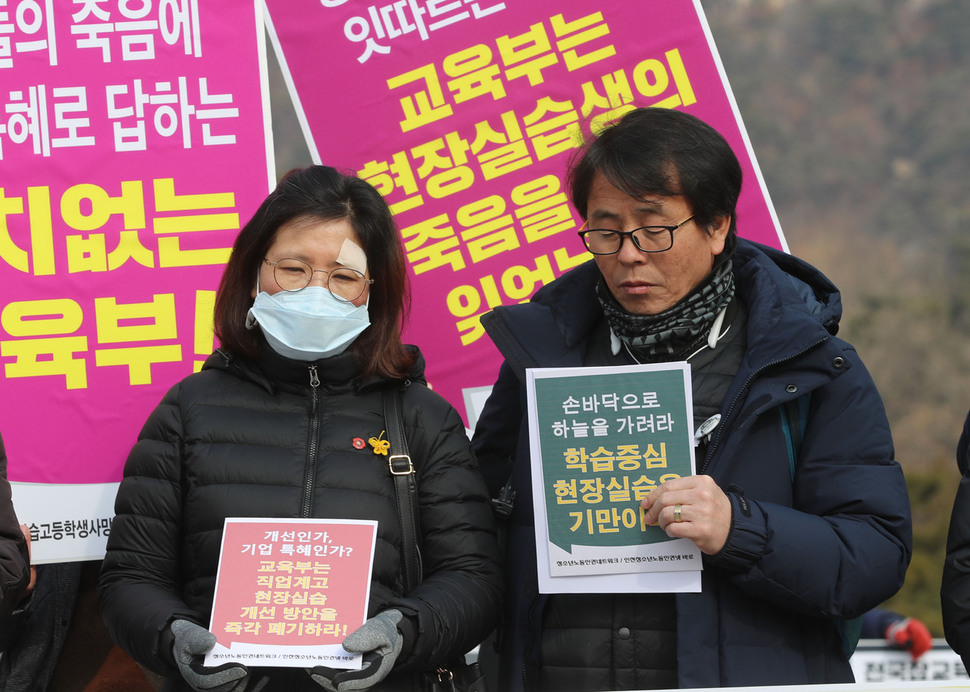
pixel 693 507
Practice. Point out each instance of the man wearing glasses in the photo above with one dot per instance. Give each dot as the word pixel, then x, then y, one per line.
pixel 802 525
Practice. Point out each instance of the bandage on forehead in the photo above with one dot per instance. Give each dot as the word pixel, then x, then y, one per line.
pixel 352 255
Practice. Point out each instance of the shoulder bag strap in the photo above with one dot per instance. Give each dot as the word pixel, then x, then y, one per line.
pixel 405 488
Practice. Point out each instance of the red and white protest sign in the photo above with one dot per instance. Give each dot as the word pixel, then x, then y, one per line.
pixel 288 591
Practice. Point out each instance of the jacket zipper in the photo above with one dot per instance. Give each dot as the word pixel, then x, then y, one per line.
pixel 727 416
pixel 311 459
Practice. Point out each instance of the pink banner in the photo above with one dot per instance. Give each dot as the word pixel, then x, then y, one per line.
pixel 133 144
pixel 465 114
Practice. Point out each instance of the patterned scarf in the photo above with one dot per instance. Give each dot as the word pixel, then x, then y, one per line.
pixel 671 334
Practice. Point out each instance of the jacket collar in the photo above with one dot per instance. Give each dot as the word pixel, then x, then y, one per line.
pixel 791 308
pixel 272 371
pixel 792 281
pixel 573 302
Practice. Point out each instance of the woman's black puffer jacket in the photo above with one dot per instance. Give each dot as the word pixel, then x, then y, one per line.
pixel 276 438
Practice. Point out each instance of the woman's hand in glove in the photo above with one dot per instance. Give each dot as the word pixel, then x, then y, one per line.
pixel 380 642
pixel 192 642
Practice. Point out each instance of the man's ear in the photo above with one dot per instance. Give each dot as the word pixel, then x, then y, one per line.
pixel 718 232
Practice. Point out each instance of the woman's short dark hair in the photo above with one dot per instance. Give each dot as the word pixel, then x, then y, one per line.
pixel 321 192
pixel 660 151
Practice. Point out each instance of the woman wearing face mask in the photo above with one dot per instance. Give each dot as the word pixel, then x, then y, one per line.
pixel 308 316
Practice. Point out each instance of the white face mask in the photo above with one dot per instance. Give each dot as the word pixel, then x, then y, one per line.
pixel 309 324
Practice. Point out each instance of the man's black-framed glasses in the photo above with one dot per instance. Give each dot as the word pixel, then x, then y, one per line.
pixel 293 275
pixel 602 241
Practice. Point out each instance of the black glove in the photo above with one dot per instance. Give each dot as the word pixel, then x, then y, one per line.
pixel 192 642
pixel 380 642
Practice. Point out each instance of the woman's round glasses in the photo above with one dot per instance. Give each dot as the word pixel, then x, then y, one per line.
pixel 601 241
pixel 292 274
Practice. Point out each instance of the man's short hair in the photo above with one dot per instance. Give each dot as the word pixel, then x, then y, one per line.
pixel 660 151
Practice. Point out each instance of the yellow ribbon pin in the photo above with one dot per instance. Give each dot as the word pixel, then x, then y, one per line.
pixel 380 446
